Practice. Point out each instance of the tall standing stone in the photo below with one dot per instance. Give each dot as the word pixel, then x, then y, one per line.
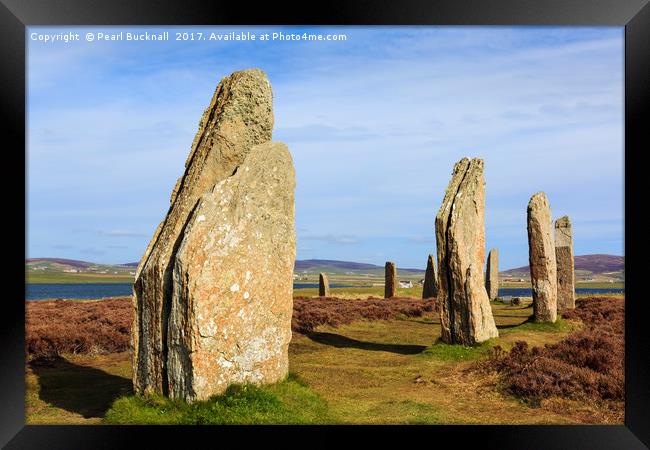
pixel 541 255
pixel 230 319
pixel 390 283
pixel 465 312
pixel 239 116
pixel 492 274
pixel 323 285
pixel 565 264
pixel 430 288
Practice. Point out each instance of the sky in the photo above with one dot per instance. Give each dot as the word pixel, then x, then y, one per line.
pixel 374 123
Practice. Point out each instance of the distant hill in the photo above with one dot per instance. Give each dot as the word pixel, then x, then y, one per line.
pixel 586 265
pixel 62 261
pixel 307 264
pixel 301 265
pixel 594 264
pixel 600 263
pixel 310 263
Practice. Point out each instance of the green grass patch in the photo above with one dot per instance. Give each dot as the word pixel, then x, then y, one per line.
pixel 288 402
pixel 455 352
pixel 600 285
pixel 76 278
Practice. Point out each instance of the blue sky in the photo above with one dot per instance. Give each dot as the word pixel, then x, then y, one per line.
pixel 374 124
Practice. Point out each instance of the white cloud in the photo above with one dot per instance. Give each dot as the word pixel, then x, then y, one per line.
pixel 374 126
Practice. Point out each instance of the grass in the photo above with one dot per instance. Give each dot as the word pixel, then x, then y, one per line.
pixel 77 389
pixel 397 372
pixel 600 285
pixel 449 352
pixel 288 402
pixel 76 278
pixel 365 372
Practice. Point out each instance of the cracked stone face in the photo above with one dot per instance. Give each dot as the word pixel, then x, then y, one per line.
pixel 465 312
pixel 230 319
pixel 238 118
pixel 565 264
pixel 541 254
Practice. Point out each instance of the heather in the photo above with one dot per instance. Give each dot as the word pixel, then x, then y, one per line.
pixel 309 313
pixel 586 365
pixel 57 327
pixel 84 327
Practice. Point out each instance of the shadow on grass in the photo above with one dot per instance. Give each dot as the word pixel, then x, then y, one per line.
pixel 78 389
pixel 424 322
pixel 526 320
pixel 339 341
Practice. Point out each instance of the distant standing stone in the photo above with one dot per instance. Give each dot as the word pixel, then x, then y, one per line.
pixel 323 285
pixel 430 288
pixel 541 254
pixel 465 311
pixel 390 283
pixel 492 274
pixel 565 264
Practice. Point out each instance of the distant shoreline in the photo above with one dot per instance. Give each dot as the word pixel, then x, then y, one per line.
pixel 88 291
pixel 64 278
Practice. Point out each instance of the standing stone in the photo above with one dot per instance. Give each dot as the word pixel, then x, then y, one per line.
pixel 541 254
pixel 465 312
pixel 430 288
pixel 239 116
pixel 323 285
pixel 565 265
pixel 232 299
pixel 390 284
pixel 492 274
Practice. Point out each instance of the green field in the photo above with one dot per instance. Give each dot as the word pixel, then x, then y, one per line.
pixel 81 278
pixel 363 284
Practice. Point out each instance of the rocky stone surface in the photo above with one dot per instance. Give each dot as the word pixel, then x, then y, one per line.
pixel 492 274
pixel 390 283
pixel 566 294
pixel 430 288
pixel 239 116
pixel 541 255
pixel 323 285
pixel 230 319
pixel 465 312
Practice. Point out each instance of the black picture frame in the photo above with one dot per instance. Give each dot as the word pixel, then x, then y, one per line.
pixel 634 15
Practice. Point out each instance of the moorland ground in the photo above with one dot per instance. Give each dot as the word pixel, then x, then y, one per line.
pixel 386 365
